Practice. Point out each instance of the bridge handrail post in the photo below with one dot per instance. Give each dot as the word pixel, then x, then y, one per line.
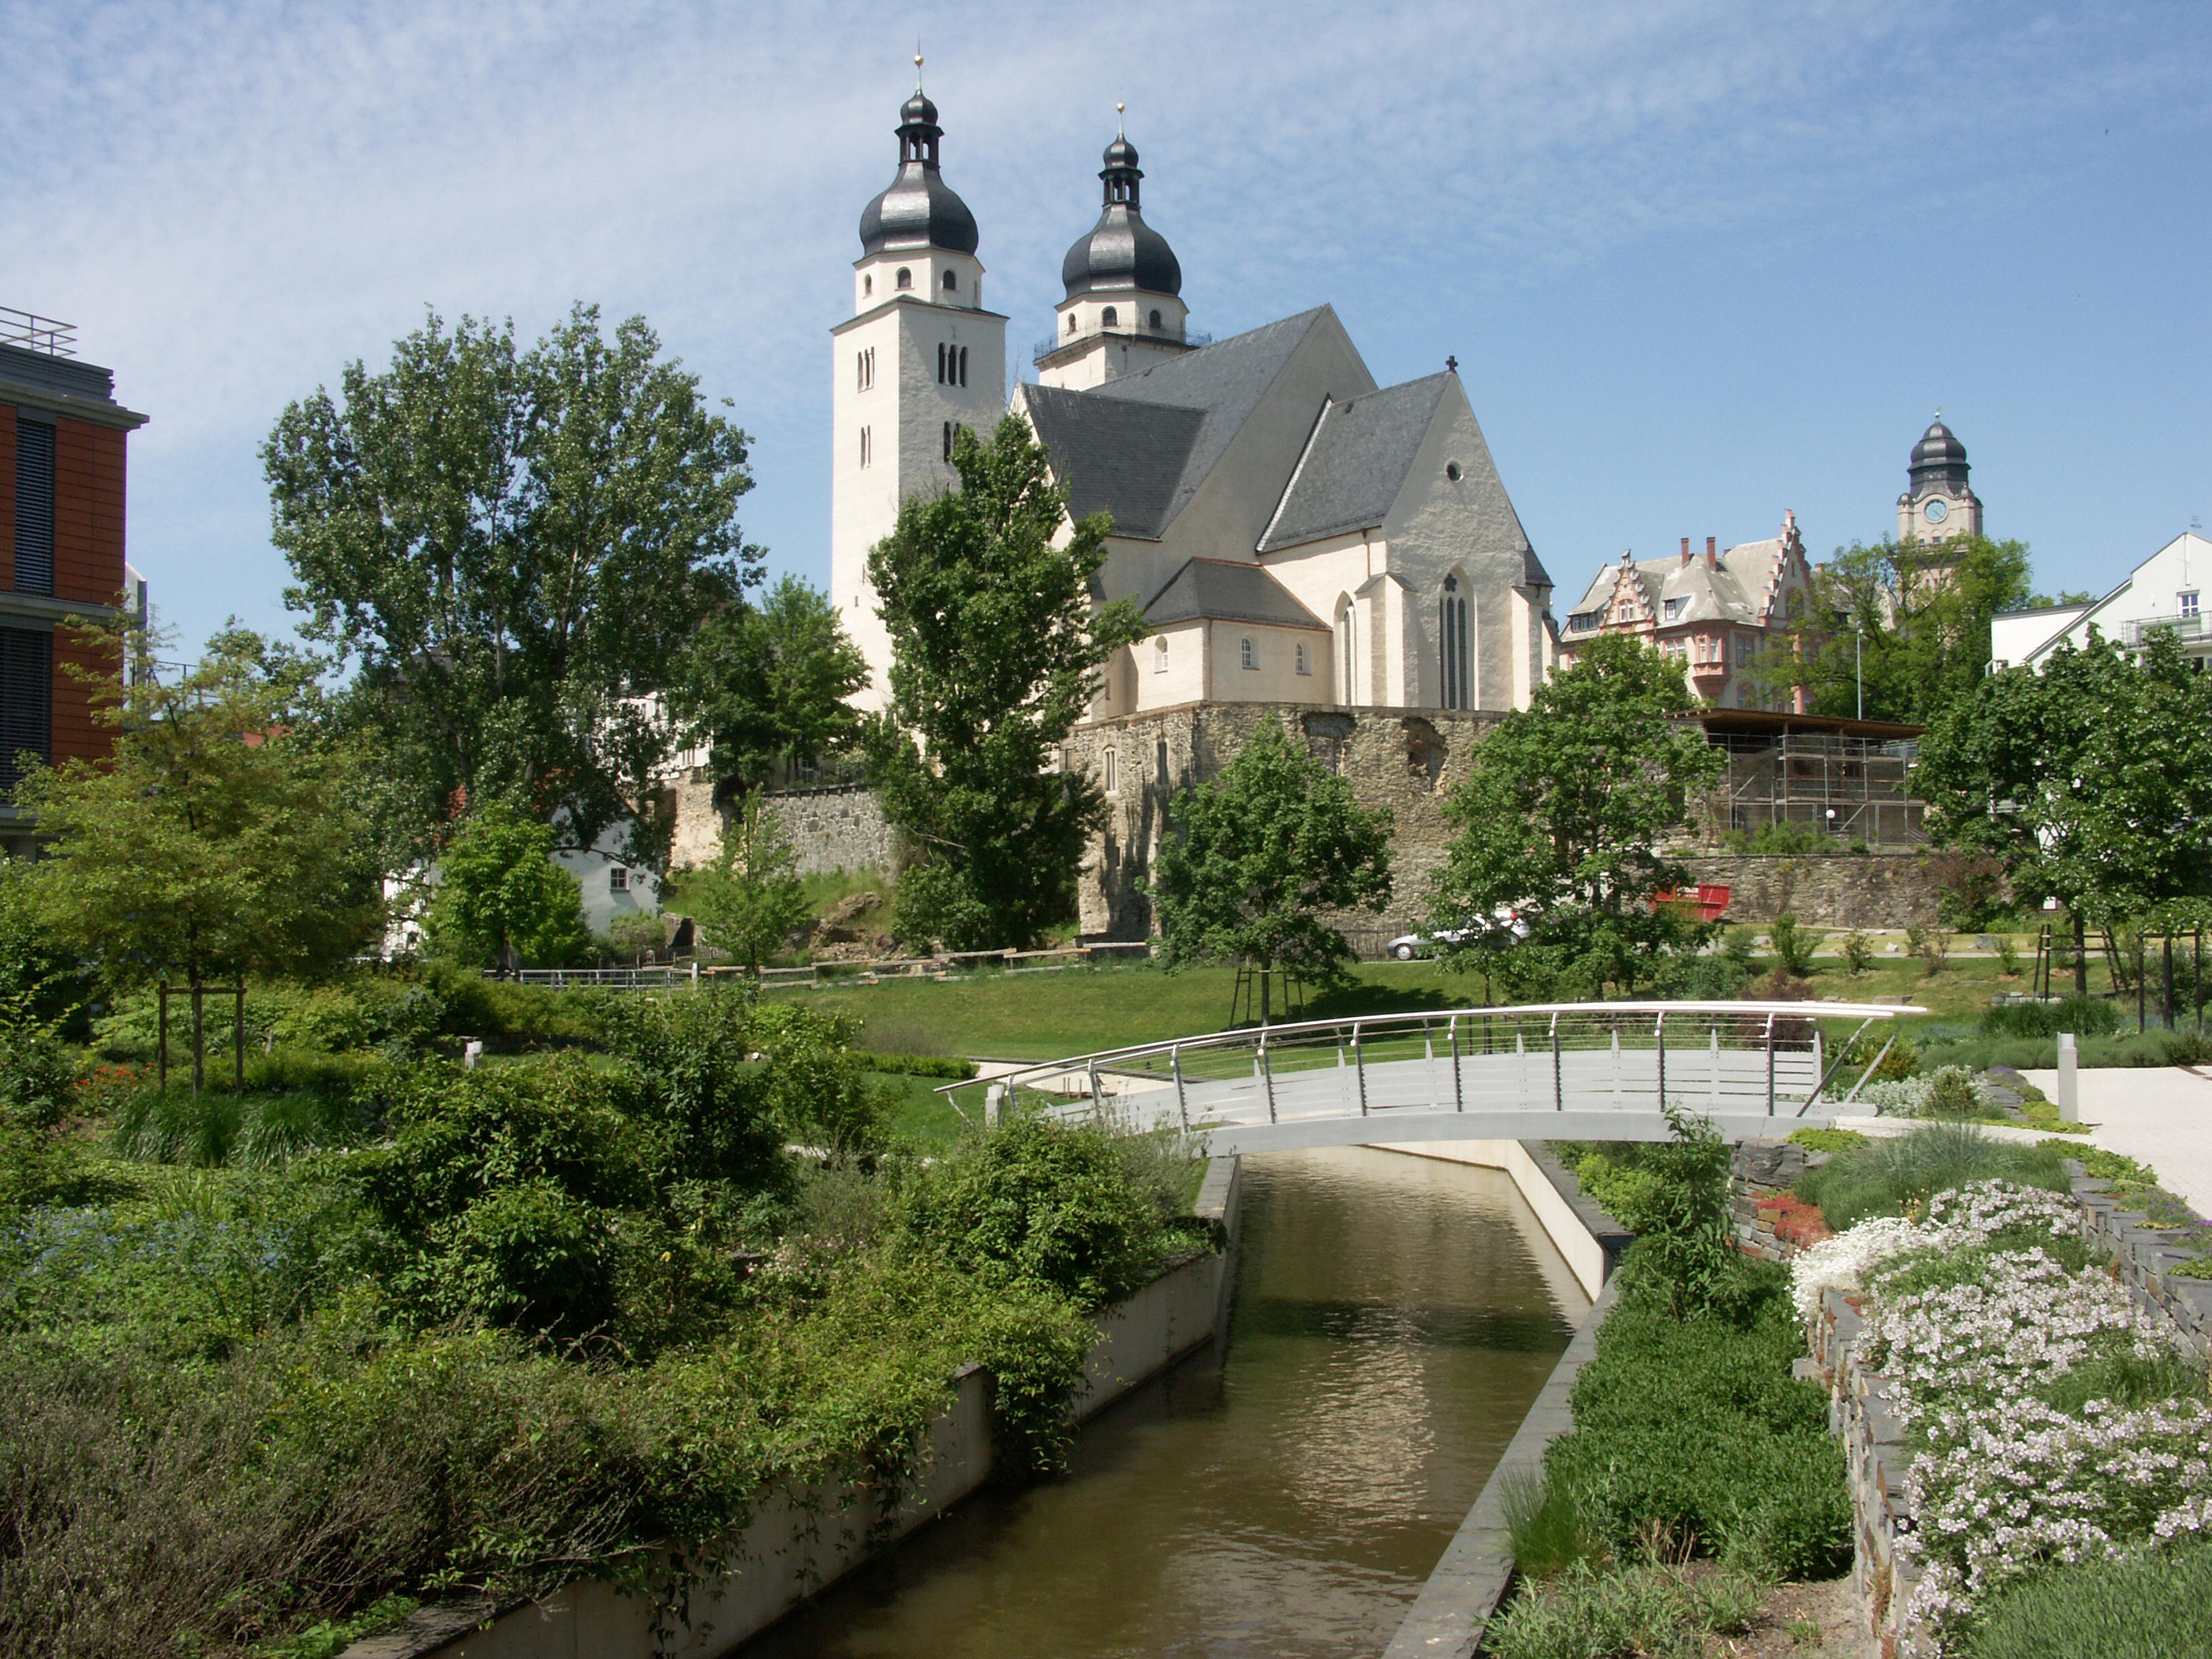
pixel 1267 1076
pixel 1459 1097
pixel 1659 1031
pixel 1558 1081
pixel 1183 1100
pixel 1098 1105
pixel 1770 1065
pixel 1359 1065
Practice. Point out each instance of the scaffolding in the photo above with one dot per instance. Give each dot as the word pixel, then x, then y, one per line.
pixel 1848 779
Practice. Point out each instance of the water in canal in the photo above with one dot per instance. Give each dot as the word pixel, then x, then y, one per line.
pixel 1395 1318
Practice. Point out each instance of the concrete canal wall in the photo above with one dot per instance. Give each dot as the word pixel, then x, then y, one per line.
pixel 801 1541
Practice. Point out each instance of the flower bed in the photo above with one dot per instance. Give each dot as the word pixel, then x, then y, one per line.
pixel 2010 1402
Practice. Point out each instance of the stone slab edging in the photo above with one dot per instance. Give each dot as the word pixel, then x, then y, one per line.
pixel 1470 1579
pixel 799 1542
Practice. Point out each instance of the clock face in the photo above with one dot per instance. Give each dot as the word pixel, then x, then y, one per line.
pixel 1933 512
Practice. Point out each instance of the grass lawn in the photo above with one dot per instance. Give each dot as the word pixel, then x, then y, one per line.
pixel 996 1016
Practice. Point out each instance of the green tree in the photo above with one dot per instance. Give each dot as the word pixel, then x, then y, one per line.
pixel 2090 780
pixel 1562 817
pixel 749 900
pixel 1910 621
pixel 996 649
pixel 219 841
pixel 514 545
pixel 1259 852
pixel 501 901
pixel 771 682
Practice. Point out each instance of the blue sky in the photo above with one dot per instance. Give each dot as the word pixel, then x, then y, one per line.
pixel 1699 262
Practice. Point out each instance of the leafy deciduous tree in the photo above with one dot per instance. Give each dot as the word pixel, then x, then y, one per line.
pixel 1259 852
pixel 218 840
pixel 514 544
pixel 750 898
pixel 771 682
pixel 1561 817
pixel 501 901
pixel 996 647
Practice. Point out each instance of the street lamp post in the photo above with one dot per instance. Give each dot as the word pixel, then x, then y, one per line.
pixel 1858 665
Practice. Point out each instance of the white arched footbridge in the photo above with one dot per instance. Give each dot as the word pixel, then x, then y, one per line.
pixel 1593 1071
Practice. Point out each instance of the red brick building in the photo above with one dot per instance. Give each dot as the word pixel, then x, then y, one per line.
pixel 62 470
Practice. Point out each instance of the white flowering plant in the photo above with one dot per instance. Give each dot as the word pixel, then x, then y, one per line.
pixel 1986 1316
pixel 1949 1090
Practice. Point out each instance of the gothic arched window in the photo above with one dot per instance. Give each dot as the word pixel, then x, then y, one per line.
pixel 940 363
pixel 1451 635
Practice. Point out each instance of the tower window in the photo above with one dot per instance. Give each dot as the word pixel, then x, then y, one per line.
pixel 1245 649
pixel 1108 317
pixel 951 282
pixel 948 440
pixel 1304 658
pixel 867 446
pixel 1160 654
pixel 1071 322
pixel 1156 319
pixel 1113 780
pixel 905 278
pixel 1452 472
pixel 940 363
pixel 963 365
pixel 867 286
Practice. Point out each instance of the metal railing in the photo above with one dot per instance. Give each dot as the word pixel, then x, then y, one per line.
pixel 1192 337
pixel 2190 630
pixel 1738 1059
pixel 33 333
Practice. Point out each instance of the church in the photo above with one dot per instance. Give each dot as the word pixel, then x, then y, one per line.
pixel 1293 533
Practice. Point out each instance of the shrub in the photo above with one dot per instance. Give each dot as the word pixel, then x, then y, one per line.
pixel 1858 951
pixel 1829 1140
pixel 1673 1195
pixel 939 1066
pixel 692 1075
pixel 1908 1170
pixel 2007 956
pixel 1655 1610
pixel 1793 945
pixel 1035 1200
pixel 2157 1602
pixel 2082 1015
pixel 1692 1432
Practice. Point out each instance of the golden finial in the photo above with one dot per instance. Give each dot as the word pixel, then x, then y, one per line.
pixel 917 63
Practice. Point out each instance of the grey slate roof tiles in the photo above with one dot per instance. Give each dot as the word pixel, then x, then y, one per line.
pixel 1356 462
pixel 1223 590
pixel 1116 457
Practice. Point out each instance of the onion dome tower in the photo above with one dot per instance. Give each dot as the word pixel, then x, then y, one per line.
pixel 1123 310
pixel 1938 503
pixel 918 362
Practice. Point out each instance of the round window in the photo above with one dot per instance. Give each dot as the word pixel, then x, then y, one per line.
pixel 1452 472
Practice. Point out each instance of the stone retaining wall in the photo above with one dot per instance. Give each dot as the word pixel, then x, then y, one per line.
pixel 1876 1454
pixel 1874 891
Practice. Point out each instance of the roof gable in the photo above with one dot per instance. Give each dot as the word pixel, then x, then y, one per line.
pixel 1356 462
pixel 1223 590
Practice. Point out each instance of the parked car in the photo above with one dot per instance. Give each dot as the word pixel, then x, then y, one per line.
pixel 1501 927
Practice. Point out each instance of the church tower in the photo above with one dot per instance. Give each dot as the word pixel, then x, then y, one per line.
pixel 919 359
pixel 1936 504
pixel 1124 310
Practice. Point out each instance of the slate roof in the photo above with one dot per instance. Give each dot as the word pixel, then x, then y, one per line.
pixel 1223 590
pixel 1732 593
pixel 1221 384
pixel 1355 463
pixel 1116 457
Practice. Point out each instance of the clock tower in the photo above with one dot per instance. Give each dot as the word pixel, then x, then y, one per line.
pixel 1936 504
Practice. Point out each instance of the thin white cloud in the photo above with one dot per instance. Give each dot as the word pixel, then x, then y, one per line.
pixel 232 200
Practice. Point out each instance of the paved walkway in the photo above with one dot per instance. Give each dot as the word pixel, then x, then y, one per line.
pixel 2161 1114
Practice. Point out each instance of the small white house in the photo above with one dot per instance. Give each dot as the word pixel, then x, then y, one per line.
pixel 2164 593
pixel 612 885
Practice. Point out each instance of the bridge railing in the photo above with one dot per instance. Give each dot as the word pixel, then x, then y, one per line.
pixel 1771 1058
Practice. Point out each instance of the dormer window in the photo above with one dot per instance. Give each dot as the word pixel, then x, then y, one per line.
pixel 1675 607
pixel 905 277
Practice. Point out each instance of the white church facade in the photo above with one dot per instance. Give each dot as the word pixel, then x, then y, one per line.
pixel 1292 533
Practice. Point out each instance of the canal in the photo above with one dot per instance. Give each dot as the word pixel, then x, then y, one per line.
pixel 1395 1317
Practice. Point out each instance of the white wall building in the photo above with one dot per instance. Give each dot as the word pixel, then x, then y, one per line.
pixel 1292 533
pixel 2164 591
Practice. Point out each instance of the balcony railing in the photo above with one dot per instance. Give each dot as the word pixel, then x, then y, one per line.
pixel 33 333
pixel 2190 630
pixel 1052 343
